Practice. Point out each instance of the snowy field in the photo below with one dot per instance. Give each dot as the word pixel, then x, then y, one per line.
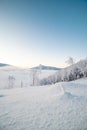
pixel 22 77
pixel 62 106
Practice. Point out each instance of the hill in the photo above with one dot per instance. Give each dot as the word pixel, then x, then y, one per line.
pixel 3 64
pixel 73 72
pixel 43 67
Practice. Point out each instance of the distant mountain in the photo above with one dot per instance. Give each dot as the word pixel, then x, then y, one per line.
pixel 3 65
pixel 43 67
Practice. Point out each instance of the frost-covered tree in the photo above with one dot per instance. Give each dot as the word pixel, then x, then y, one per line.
pixel 34 74
pixel 11 81
pixel 70 73
pixel 70 61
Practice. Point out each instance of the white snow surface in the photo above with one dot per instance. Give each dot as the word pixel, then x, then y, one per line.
pixel 62 106
pixel 23 76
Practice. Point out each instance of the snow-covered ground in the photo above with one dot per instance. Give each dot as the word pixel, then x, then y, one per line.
pixel 23 77
pixel 62 106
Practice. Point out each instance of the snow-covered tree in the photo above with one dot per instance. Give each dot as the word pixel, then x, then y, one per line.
pixel 35 80
pixel 70 73
pixel 11 81
pixel 70 61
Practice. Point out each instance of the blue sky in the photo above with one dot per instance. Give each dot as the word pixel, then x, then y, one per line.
pixel 45 32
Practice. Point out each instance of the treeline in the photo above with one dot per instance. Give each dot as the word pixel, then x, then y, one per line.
pixel 71 73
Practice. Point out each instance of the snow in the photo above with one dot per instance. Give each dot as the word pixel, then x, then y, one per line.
pixel 21 76
pixel 62 106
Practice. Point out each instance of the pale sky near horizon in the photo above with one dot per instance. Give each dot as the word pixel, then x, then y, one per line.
pixel 45 32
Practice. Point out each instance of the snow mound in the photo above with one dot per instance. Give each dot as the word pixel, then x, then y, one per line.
pixel 57 90
pixel 68 95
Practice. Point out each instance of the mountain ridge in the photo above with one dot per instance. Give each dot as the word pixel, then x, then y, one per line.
pixel 44 67
pixel 3 65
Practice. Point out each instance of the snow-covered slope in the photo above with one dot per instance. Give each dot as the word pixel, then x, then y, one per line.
pixel 62 106
pixel 73 72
